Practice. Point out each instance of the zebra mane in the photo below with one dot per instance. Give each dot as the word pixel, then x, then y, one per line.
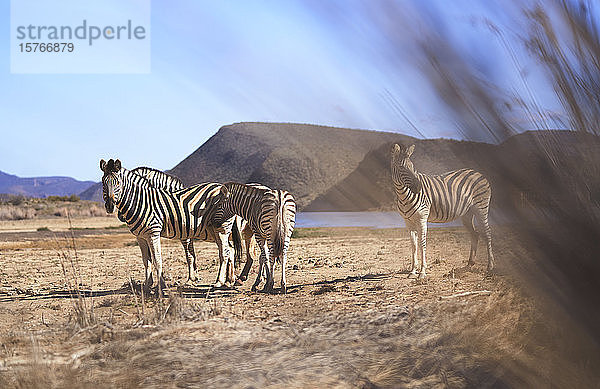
pixel 252 188
pixel 144 170
pixel 141 169
pixel 138 179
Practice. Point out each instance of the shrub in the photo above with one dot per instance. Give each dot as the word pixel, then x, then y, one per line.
pixel 72 198
pixel 16 199
pixel 10 212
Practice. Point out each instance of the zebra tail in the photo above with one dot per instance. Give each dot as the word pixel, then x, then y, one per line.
pixel 237 243
pixel 278 228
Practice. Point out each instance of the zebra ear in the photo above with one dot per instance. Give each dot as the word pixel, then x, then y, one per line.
pixel 410 150
pixel 117 165
pixel 396 148
pixel 102 164
pixel 225 192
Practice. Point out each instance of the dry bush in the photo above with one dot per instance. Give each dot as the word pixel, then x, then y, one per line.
pixel 29 208
pixel 12 212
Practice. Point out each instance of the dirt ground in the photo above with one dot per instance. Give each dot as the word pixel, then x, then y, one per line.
pixel 351 318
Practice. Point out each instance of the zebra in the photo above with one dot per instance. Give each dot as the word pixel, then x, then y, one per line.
pixel 160 179
pixel 271 217
pixel 152 212
pixel 420 198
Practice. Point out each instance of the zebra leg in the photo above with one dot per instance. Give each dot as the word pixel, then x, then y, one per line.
pixel 468 223
pixel 192 252
pixel 413 250
pixel 190 258
pixel 157 259
pixel 270 266
pixel 283 280
pixel 247 235
pixel 423 245
pixel 261 264
pixel 482 217
pixel 147 259
pixel 225 262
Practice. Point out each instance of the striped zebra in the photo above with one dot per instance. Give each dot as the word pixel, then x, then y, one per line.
pixel 420 198
pixel 152 212
pixel 162 180
pixel 271 215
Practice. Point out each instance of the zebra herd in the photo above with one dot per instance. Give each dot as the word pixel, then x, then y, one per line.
pixel 154 204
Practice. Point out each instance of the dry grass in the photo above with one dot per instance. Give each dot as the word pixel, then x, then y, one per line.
pixel 23 208
pixel 496 341
pixel 354 324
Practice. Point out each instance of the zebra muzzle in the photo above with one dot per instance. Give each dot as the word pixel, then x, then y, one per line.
pixel 110 206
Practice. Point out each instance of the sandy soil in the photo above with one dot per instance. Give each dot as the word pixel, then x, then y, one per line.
pixel 351 317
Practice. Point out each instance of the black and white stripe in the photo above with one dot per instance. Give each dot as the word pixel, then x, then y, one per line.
pixel 271 215
pixel 152 212
pixel 420 198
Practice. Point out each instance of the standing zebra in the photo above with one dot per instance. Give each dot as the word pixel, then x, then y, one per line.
pixel 420 198
pixel 271 215
pixel 152 212
pixel 162 180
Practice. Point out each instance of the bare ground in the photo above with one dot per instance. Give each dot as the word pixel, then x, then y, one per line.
pixel 351 317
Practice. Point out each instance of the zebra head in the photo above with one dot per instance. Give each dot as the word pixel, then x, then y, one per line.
pixel 403 170
pixel 112 183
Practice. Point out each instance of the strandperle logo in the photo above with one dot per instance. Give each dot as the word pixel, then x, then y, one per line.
pixel 89 33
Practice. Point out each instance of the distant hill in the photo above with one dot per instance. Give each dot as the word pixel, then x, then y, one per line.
pixel 41 186
pixel 517 169
pixel 305 159
pixel 337 169
pixel 93 193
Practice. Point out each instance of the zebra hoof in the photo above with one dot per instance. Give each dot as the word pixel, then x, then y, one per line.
pixel 412 274
pixel 268 289
pixel 421 276
pixel 283 289
pixel 146 289
pixel 238 282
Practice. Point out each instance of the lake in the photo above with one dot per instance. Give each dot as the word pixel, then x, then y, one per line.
pixel 357 219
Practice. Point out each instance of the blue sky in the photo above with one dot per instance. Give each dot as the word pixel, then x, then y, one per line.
pixel 215 63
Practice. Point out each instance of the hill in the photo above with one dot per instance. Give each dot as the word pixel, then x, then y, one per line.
pixel 305 159
pixel 41 186
pixel 517 169
pixel 93 193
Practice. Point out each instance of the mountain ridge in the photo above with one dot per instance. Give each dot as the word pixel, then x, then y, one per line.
pixel 41 186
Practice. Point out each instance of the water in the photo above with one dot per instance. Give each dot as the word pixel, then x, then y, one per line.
pixel 357 219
